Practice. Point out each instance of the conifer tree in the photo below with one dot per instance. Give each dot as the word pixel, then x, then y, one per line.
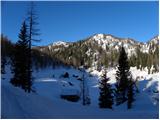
pixel 3 55
pixel 105 98
pixel 130 93
pixel 3 64
pixel 20 67
pixel 122 77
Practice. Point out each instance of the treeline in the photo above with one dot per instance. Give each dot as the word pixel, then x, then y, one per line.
pixel 40 59
pixel 144 60
pixel 6 52
pixel 81 54
pixel 90 54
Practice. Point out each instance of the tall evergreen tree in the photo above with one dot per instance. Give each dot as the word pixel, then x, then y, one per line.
pixel 3 64
pixel 20 67
pixel 105 98
pixel 130 93
pixel 122 77
pixel 3 57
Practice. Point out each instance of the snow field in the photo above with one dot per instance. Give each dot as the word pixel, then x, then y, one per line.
pixel 46 102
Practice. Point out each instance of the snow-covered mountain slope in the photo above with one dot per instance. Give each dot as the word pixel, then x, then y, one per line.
pixel 55 46
pixel 114 43
pixel 107 41
pixel 49 83
pixel 129 44
pixel 103 49
pixel 59 43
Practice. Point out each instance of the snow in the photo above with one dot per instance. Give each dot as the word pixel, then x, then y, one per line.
pixel 70 92
pixel 58 43
pixel 46 102
pixel 130 45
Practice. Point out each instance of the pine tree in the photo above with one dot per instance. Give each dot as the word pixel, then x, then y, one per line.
pixel 130 93
pixel 20 67
pixel 3 64
pixel 122 77
pixel 105 98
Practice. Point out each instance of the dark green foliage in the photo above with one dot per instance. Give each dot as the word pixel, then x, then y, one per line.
pixel 42 60
pixel 138 61
pixel 132 60
pixel 20 62
pixel 90 53
pixel 147 59
pixel 122 77
pixel 6 47
pixel 6 52
pixel 3 63
pixel 130 94
pixel 105 98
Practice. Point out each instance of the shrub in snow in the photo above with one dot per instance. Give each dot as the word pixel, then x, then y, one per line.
pixel 53 76
pixel 66 75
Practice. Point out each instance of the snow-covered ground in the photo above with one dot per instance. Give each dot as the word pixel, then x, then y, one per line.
pixel 49 84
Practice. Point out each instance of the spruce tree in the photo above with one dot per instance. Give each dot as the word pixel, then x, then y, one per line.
pixel 20 67
pixel 130 93
pixel 122 77
pixel 105 98
pixel 3 64
pixel 4 54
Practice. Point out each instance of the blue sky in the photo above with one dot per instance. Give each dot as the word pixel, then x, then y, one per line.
pixel 72 21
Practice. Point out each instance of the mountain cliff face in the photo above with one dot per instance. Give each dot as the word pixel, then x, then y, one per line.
pixel 101 50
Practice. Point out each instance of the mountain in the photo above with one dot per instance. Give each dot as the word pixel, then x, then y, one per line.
pixel 109 41
pixel 102 50
pixel 94 52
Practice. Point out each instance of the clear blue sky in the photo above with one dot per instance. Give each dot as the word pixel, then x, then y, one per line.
pixel 71 21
